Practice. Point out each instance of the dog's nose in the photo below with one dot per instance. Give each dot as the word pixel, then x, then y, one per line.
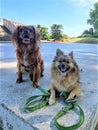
pixel 26 36
pixel 63 65
pixel 26 32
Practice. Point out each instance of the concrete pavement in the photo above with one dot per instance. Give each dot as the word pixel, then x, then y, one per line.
pixel 13 96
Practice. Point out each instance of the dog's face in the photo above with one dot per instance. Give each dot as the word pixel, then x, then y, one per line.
pixel 64 63
pixel 25 35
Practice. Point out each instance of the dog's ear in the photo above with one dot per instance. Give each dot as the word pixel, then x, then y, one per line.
pixel 71 54
pixel 36 34
pixel 59 52
pixel 14 35
pixel 55 58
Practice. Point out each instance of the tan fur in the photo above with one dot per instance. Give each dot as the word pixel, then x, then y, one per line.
pixel 67 81
pixel 27 42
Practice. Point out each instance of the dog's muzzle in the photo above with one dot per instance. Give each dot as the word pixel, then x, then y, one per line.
pixel 26 39
pixel 63 67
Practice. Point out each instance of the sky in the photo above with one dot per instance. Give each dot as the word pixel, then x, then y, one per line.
pixel 72 14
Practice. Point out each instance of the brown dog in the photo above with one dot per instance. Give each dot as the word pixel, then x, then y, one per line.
pixel 65 76
pixel 27 42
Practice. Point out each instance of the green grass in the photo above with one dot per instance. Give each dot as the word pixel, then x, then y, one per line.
pixel 88 40
pixel 82 40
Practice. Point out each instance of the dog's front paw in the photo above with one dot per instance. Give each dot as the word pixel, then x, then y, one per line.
pixel 19 80
pixel 35 84
pixel 52 101
pixel 42 74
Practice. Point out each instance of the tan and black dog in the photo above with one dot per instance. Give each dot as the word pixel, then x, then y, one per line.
pixel 65 76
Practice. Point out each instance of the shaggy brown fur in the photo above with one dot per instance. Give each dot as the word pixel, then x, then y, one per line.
pixel 65 76
pixel 27 42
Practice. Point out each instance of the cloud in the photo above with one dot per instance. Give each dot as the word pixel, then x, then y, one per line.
pixel 83 3
pixel 95 1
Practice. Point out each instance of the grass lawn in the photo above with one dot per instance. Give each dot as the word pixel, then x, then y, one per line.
pixel 82 40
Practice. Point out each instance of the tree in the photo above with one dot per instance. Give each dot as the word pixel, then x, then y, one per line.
pixel 44 33
pixel 64 36
pixel 94 17
pixel 56 32
pixel 86 32
pixel 38 27
pixel 91 31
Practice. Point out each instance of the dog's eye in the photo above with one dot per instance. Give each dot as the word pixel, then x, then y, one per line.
pixel 31 30
pixel 67 61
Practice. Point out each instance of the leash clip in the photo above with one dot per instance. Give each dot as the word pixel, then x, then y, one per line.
pixel 70 101
pixel 70 104
pixel 68 107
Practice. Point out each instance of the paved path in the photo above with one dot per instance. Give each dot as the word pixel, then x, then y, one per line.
pixel 13 96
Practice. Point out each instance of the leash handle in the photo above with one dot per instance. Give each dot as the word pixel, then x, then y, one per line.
pixel 63 112
pixel 31 108
pixel 44 102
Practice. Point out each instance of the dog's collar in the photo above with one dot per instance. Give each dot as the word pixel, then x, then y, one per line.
pixel 31 66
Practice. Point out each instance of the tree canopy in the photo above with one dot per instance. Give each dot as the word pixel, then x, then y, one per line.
pixel 43 32
pixel 56 31
pixel 93 20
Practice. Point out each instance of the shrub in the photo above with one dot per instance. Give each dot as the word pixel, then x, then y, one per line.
pixel 96 34
pixel 86 35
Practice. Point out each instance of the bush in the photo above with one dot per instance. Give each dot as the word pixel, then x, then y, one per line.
pixel 96 34
pixel 88 40
pixel 86 35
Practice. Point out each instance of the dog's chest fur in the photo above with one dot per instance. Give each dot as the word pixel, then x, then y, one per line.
pixel 27 61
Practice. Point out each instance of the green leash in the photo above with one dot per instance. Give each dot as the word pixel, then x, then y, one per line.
pixel 64 111
pixel 45 99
